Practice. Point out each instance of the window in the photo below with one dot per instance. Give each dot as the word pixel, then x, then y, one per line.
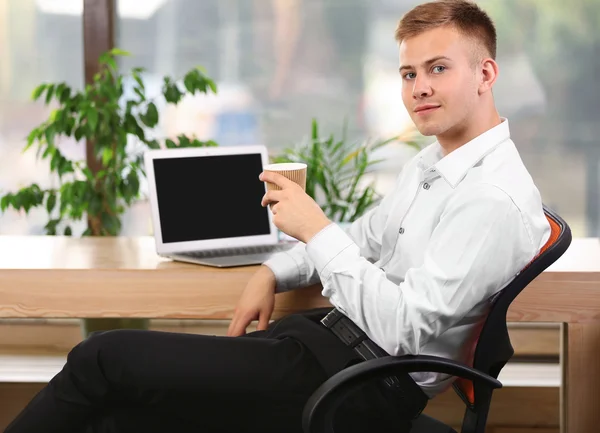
pixel 36 45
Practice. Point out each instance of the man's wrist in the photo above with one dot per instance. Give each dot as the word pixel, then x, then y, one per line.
pixel 268 274
pixel 312 231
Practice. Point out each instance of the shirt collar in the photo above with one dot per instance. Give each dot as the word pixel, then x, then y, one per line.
pixel 454 166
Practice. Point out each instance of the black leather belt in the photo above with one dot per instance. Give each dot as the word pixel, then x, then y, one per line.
pixel 346 330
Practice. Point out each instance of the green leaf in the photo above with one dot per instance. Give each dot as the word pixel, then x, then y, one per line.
pixel 140 94
pixel 16 201
pixel 69 126
pixel 50 227
pixel 92 119
pixel 24 198
pixel 212 85
pixel 31 138
pixel 138 80
pixel 65 95
pixel 151 117
pixel 133 183
pixel 107 156
pixel 55 160
pixel 88 174
pixel 50 133
pixel 64 166
pixel 87 232
pixel 79 132
pixel 153 144
pixel 37 92
pixel 51 202
pixel 95 205
pixel 5 202
pixel 172 93
pixel 49 93
pixel 59 90
pixel 68 231
pixel 190 81
pixel 50 151
pixel 152 113
pixel 111 63
pixel 170 143
pixel 111 223
pixel 119 52
pixel 54 114
pixel 138 131
pixel 131 124
pixel 183 141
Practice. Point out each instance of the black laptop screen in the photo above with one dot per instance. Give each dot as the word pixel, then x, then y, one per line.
pixel 210 197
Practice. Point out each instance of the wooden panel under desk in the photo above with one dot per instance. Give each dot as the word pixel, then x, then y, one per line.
pixel 60 335
pixel 213 293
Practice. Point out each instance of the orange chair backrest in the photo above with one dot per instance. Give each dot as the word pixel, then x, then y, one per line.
pixel 466 386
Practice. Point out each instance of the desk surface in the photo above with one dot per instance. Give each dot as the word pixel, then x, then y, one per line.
pixel 138 253
pixel 123 277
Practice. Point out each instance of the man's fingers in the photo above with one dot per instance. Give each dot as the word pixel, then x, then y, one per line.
pixel 276 178
pixel 232 327
pixel 272 197
pixel 238 329
pixel 263 322
pixel 238 325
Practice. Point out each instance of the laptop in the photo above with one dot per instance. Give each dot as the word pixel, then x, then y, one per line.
pixel 206 205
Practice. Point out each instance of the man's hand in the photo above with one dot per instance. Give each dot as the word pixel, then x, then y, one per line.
pixel 294 212
pixel 257 302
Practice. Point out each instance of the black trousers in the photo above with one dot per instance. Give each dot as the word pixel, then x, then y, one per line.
pixel 127 381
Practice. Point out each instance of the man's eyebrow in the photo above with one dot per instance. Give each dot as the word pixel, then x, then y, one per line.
pixel 426 63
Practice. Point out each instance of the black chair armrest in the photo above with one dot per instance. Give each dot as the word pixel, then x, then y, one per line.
pixel 319 408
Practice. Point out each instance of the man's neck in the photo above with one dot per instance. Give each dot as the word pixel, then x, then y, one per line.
pixel 462 134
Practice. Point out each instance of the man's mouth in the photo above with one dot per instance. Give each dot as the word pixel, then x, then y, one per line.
pixel 425 109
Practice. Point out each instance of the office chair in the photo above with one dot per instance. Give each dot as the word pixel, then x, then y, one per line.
pixel 474 385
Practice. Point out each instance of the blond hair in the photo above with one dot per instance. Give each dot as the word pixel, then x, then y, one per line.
pixel 464 15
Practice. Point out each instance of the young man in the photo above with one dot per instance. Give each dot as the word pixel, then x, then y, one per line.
pixel 416 273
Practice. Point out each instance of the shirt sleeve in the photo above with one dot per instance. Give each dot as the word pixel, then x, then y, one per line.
pixel 478 246
pixel 294 268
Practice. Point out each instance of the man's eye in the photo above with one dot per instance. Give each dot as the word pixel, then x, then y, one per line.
pixel 409 75
pixel 439 69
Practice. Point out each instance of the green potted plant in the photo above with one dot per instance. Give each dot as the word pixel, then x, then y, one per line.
pixel 100 190
pixel 336 171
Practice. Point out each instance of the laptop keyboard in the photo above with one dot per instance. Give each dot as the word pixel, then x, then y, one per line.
pixel 241 251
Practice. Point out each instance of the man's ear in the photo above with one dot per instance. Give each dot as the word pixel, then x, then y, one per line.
pixel 488 75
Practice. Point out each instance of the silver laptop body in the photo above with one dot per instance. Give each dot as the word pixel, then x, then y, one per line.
pixel 206 205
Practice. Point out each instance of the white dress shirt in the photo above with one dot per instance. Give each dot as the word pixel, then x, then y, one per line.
pixel 417 272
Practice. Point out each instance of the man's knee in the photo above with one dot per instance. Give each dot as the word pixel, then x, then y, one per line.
pixel 91 356
pixel 83 377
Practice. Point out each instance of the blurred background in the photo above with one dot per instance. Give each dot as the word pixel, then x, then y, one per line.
pixel 281 63
pixel 278 65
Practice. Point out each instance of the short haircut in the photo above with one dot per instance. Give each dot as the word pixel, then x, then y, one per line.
pixel 464 15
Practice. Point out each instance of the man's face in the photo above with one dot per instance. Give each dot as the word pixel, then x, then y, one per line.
pixel 439 82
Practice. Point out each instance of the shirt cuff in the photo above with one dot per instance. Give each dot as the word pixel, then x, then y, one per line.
pixel 286 270
pixel 325 246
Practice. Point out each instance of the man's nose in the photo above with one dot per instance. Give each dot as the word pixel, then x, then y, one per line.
pixel 421 88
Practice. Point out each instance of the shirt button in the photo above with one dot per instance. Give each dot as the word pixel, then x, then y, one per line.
pixel 426 186
pixel 401 231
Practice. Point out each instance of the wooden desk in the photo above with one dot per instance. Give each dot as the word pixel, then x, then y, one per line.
pixel 56 277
